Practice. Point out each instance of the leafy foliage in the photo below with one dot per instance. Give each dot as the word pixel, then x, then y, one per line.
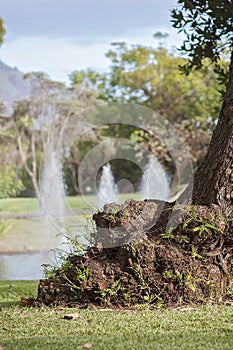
pixel 151 77
pixel 208 27
pixel 10 186
pixel 2 30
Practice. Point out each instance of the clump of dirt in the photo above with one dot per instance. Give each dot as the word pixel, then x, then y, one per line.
pixel 120 224
pixel 138 259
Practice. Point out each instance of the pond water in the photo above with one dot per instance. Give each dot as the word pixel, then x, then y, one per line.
pixel 22 266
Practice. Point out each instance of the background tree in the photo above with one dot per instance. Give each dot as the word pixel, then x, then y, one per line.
pixel 2 31
pixel 208 26
pixel 151 77
pixel 34 120
pixel 10 184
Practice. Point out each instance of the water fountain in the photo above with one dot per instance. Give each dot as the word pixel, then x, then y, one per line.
pixel 52 188
pixel 26 264
pixel 155 182
pixel 107 189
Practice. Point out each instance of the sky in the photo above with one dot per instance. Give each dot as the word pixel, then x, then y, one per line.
pixel 60 36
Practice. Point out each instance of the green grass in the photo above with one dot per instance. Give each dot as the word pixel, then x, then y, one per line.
pixel 11 292
pixel 31 205
pixel 19 205
pixel 201 328
pixel 21 227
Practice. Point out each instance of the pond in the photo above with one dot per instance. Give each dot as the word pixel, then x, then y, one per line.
pixel 22 266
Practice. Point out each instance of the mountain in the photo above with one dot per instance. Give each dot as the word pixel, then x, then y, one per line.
pixel 12 85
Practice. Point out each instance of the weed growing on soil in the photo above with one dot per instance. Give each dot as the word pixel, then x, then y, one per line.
pixel 169 234
pixel 81 277
pixel 61 256
pixel 202 225
pixel 82 274
pixel 109 294
pixel 116 216
pixel 195 254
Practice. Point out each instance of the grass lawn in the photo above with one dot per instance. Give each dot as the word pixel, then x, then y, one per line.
pixel 21 227
pixel 19 205
pixel 31 206
pixel 209 327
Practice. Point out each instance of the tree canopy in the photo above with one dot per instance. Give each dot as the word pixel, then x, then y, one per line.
pixel 208 27
pixel 151 77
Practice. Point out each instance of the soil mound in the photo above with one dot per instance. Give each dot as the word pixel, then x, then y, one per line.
pixel 138 259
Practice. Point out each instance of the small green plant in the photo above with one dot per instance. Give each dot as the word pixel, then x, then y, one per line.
pixel 117 215
pixel 61 256
pixel 110 293
pixel 70 239
pixel 59 266
pixel 189 281
pixel 114 211
pixel 113 215
pixel 139 273
pixel 201 225
pixel 73 287
pixel 179 277
pixel 195 254
pixel 154 298
pixel 168 235
pixel 188 221
pixel 128 298
pixel 82 274
pixel 169 274
pixel 204 227
pixel 184 238
pixel 149 296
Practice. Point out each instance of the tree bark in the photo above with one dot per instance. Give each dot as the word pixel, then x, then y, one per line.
pixel 213 181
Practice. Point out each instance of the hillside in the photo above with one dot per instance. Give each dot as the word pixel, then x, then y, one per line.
pixel 12 85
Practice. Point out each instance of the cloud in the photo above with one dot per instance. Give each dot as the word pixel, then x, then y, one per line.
pixel 59 57
pixel 56 57
pixel 83 20
pixel 59 36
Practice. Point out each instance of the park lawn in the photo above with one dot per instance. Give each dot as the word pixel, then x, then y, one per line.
pixel 31 205
pixel 209 327
pixel 22 227
pixel 19 205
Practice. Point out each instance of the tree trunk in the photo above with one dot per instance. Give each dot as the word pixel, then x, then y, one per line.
pixel 36 187
pixel 31 173
pixel 213 181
